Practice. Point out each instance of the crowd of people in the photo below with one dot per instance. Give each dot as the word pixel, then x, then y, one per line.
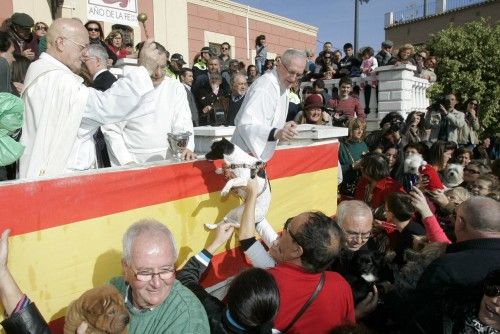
pixel 414 246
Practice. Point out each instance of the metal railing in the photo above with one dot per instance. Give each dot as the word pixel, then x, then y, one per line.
pixel 415 11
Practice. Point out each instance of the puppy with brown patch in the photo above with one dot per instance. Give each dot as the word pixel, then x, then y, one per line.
pixel 102 308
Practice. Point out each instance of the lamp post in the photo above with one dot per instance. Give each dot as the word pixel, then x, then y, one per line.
pixel 356 22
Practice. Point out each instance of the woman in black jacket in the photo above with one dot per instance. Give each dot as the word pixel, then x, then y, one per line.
pixel 252 298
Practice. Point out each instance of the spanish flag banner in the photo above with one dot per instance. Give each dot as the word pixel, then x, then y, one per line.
pixel 66 232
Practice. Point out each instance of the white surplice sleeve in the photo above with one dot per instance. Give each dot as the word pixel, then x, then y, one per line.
pixel 120 101
pixel 182 120
pixel 118 151
pixel 254 123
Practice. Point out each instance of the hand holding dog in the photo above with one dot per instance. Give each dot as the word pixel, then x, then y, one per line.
pixel 288 132
pixel 223 233
pixel 419 201
pixel 439 197
pixel 367 305
pixel 187 155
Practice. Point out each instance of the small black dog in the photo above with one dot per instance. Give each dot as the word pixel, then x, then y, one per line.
pixel 366 270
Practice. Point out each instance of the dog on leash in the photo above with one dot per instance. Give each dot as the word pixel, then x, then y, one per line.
pixel 244 167
pixel 102 308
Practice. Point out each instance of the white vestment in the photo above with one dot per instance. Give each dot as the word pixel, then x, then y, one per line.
pixel 144 139
pixel 61 115
pixel 265 107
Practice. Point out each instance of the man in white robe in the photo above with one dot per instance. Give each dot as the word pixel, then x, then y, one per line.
pixel 260 123
pixel 61 114
pixel 144 139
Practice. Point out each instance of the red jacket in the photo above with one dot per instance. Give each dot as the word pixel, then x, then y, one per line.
pixel 334 305
pixel 382 189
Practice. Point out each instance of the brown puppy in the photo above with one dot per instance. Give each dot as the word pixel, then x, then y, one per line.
pixel 102 308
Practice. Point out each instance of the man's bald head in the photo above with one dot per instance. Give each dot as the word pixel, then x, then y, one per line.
pixel 66 39
pixel 478 215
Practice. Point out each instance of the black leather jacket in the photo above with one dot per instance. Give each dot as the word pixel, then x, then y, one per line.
pixel 28 321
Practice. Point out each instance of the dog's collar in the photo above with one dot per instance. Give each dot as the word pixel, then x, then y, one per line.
pixel 254 168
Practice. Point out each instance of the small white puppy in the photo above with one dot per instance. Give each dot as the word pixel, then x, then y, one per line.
pixel 244 167
pixel 454 175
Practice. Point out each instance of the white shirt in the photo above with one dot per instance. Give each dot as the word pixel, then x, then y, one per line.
pixel 61 115
pixel 144 139
pixel 265 107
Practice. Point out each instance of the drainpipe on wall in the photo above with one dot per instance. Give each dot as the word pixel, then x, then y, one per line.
pixel 248 35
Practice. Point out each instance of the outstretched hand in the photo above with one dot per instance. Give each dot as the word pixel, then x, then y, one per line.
pixel 4 250
pixel 223 233
pixel 419 201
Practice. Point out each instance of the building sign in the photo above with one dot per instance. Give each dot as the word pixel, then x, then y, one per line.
pixel 114 11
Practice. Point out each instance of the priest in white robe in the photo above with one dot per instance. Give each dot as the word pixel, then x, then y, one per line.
pixel 144 139
pixel 61 114
pixel 260 123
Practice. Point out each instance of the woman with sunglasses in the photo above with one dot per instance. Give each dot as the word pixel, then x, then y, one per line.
pixel 467 135
pixel 39 31
pixel 96 36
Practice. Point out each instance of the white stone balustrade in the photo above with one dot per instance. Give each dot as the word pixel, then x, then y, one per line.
pixel 398 90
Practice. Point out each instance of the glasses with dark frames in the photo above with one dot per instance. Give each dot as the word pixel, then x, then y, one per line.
pixel 286 228
pixel 93 29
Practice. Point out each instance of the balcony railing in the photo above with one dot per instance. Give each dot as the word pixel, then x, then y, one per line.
pixel 415 11
pixel 392 88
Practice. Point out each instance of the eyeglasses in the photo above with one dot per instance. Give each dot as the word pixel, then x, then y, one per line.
pixel 93 29
pixel 82 46
pixel 298 76
pixel 148 276
pixel 492 291
pixel 286 228
pixel 472 171
pixel 356 235
pixel 41 28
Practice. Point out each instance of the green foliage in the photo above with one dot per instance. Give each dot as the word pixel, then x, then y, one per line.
pixel 469 66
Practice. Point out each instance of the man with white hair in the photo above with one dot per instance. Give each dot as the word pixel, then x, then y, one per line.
pixel 96 60
pixel 156 301
pixel 355 220
pixel 61 114
pixel 260 124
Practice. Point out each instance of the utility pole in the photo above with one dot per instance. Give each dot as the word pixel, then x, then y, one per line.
pixel 356 22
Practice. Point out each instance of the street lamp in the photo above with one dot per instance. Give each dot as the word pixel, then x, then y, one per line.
pixel 356 22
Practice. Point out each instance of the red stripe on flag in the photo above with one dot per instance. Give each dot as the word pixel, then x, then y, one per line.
pixel 39 205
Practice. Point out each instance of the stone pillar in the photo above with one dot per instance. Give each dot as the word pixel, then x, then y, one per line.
pixel 440 6
pixel 388 19
pixel 395 89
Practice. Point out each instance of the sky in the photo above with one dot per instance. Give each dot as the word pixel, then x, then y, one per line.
pixel 335 18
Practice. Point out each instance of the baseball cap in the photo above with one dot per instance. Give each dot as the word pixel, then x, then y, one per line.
pixel 22 19
pixel 177 57
pixel 205 49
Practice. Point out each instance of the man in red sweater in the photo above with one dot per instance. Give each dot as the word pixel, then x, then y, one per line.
pixel 298 260
pixel 307 246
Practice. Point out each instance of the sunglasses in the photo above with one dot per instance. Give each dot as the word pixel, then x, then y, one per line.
pixel 473 103
pixel 492 291
pixel 93 29
pixel 225 48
